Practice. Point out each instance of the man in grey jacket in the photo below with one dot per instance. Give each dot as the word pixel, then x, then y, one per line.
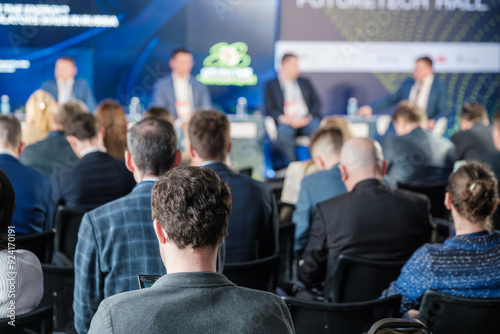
pixel 190 209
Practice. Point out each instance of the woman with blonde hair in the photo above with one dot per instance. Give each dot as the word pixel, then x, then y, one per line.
pixel 111 117
pixel 40 110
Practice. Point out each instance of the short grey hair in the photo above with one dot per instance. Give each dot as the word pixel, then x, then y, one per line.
pixel 10 131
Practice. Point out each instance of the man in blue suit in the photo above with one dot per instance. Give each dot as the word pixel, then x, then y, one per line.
pixel 253 223
pixel 425 90
pixel 32 190
pixel 117 242
pixel 66 87
pixel 318 187
pixel 179 92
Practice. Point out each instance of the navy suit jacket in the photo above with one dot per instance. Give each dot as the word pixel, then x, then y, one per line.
pixel 275 100
pixel 315 188
pixel 474 142
pixel 253 223
pixel 32 191
pixel 95 179
pixel 164 95
pixel 81 91
pixel 436 106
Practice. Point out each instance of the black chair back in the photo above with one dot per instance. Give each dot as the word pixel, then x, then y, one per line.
pixel 400 326
pixel 447 314
pixel 247 171
pixel 36 321
pixel 260 274
pixel 58 283
pixel 310 317
pixel 357 279
pixel 285 212
pixel 41 244
pixel 67 223
pixel 436 196
pixel 286 240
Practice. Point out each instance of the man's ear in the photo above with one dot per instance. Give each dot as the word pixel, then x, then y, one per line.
pixel 129 162
pixel 343 172
pixel 21 148
pixel 160 233
pixel 230 147
pixel 319 161
pixel 447 201
pixel 191 150
pixel 102 132
pixel 383 171
pixel 178 159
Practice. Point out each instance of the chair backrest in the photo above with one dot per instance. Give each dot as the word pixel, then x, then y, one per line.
pixel 285 212
pixel 67 223
pixel 311 317
pixel 286 240
pixel 444 313
pixel 36 321
pixel 41 244
pixel 260 274
pixel 400 326
pixel 357 279
pixel 58 283
pixel 436 196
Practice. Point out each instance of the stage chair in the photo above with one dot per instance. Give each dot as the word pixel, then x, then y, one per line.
pixel 286 240
pixel 447 314
pixel 67 223
pixel 310 317
pixel 400 326
pixel 356 279
pixel 37 321
pixel 260 274
pixel 41 244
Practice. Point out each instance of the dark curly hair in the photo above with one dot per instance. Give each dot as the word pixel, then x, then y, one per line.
pixel 192 204
pixel 474 190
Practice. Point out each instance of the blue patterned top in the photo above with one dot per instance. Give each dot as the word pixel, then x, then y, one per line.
pixel 466 265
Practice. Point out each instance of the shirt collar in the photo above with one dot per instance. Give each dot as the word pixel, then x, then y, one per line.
pixel 176 77
pixel 211 162
pixel 93 149
pixel 70 81
pixel 8 152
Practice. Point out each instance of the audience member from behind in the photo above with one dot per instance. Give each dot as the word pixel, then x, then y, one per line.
pixel 28 280
pixel 468 264
pixel 54 150
pixel 40 110
pixel 32 189
pixel 415 156
pixel 318 187
pixel 371 221
pixel 253 224
pixel 111 117
pixel 191 208
pixel 474 137
pixel 97 178
pixel 116 241
pixel 159 112
pixel 66 86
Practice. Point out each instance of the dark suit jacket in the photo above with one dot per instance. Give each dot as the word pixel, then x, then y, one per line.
pixel 253 223
pixel 49 153
pixel 96 179
pixel 418 159
pixel 32 190
pixel 275 99
pixel 197 303
pixel 81 91
pixel 164 95
pixel 371 222
pixel 473 142
pixel 436 106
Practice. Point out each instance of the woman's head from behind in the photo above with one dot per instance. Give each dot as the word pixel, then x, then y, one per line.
pixel 111 117
pixel 473 193
pixel 40 110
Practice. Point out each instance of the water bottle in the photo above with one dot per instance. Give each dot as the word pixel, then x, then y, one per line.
pixel 241 107
pixel 134 108
pixel 5 105
pixel 352 106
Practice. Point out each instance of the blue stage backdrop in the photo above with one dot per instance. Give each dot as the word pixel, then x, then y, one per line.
pixel 122 47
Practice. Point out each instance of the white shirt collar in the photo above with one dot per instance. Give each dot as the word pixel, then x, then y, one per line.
pixel 93 149
pixel 176 77
pixel 8 152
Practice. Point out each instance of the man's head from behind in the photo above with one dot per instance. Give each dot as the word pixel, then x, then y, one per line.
pixel 472 113
pixel 361 159
pixel 82 132
pixel 65 68
pixel 67 110
pixel 152 148
pixel 423 68
pixel 7 206
pixel 10 134
pixel 209 136
pixel 190 207
pixel 407 117
pixel 325 147
pixel 181 62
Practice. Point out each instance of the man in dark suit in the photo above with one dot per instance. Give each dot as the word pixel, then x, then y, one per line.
pixel 294 105
pixel 66 86
pixel 190 209
pixel 253 224
pixel 424 89
pixel 415 156
pixel 371 221
pixel 32 190
pixel 180 92
pixel 318 187
pixel 116 241
pixel 97 177
pixel 475 137
pixel 54 150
